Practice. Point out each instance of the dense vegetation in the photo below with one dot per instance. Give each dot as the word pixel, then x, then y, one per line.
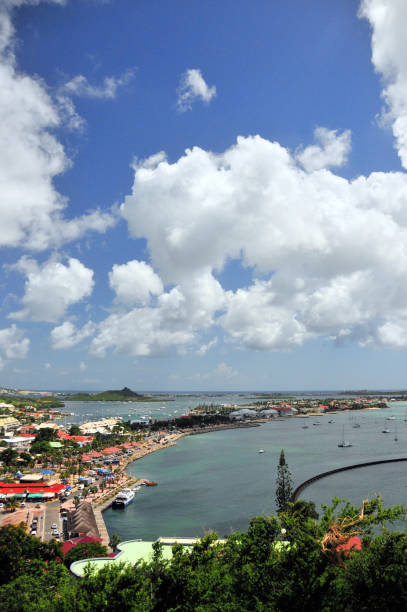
pixel 123 395
pixel 39 403
pixel 289 562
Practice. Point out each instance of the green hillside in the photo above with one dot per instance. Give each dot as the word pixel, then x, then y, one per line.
pixel 123 395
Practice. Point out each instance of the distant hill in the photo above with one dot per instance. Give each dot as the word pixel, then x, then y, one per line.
pixel 124 394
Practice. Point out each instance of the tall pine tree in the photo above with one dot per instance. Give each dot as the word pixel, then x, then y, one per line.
pixel 284 484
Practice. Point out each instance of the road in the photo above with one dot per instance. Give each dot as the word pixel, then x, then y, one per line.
pixel 52 516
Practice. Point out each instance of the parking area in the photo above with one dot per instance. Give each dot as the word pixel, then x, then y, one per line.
pixel 53 522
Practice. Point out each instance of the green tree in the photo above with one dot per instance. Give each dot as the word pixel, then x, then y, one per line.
pixel 74 430
pixel 284 484
pixel 46 433
pixel 86 550
pixel 8 456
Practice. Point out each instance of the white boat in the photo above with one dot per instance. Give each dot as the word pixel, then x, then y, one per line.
pixel 123 498
pixel 344 443
pixel 136 488
pixel 261 451
pixel 386 430
pixel 391 418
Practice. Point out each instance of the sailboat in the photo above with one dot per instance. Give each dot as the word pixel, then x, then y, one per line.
pixel 395 433
pixel 344 443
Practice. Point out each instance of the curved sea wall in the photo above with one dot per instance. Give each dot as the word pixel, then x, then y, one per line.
pixel 310 481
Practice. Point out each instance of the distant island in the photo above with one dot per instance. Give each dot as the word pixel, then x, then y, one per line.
pixel 124 395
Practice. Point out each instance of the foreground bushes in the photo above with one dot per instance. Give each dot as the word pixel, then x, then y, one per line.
pixel 284 563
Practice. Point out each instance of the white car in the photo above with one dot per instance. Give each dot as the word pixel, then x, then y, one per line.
pixel 54 526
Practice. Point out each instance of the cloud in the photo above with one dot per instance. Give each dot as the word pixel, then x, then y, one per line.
pixel 226 371
pixel 13 345
pixel 206 347
pixel 329 255
pixel 31 209
pixel 51 288
pixel 66 335
pixel 82 366
pixel 135 282
pixel 80 86
pixel 193 87
pixel 387 19
pixel 332 150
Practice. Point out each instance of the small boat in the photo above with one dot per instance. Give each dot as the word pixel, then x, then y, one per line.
pixel 316 423
pixel 344 443
pixel 386 430
pixel 305 427
pixel 331 421
pixel 150 483
pixel 261 451
pixel 356 425
pixel 136 488
pixel 391 418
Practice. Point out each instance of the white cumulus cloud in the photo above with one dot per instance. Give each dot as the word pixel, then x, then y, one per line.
pixel 135 282
pixel 329 255
pixel 13 345
pixel 387 19
pixel 51 288
pixel 193 87
pixel 31 209
pixel 331 151
pixel 67 335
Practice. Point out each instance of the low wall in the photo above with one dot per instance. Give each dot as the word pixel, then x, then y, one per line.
pixel 308 482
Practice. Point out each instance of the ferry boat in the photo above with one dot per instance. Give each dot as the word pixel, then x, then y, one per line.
pixel 123 498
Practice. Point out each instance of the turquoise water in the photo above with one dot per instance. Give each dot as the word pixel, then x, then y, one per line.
pixel 219 480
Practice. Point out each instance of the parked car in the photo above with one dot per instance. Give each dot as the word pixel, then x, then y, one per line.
pixel 54 526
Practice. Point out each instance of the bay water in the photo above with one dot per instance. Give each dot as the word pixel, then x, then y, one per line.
pixel 219 481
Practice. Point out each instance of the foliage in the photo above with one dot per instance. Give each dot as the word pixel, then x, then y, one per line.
pixel 278 565
pixel 85 550
pixel 114 541
pixel 75 430
pixel 18 550
pixel 284 484
pixel 8 456
pixel 46 433
pixel 112 396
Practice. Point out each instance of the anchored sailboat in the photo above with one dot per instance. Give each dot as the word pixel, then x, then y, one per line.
pixel 344 443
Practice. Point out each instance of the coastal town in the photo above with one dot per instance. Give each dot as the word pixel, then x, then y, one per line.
pixel 57 480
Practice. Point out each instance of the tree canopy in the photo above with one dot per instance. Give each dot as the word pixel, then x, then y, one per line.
pixel 282 563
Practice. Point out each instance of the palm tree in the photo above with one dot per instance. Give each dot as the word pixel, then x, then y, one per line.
pixel 76 501
pixel 114 541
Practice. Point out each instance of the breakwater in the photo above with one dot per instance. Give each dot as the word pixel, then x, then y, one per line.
pixel 355 466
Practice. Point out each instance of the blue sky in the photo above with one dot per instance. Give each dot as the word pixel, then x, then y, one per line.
pixel 203 195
